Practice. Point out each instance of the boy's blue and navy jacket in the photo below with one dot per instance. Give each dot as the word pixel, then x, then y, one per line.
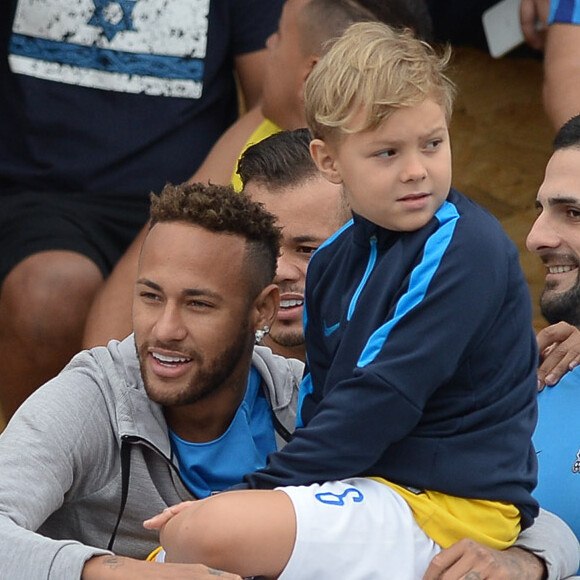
pixel 422 362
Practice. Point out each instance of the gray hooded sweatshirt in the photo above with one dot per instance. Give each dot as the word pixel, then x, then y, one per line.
pixel 82 441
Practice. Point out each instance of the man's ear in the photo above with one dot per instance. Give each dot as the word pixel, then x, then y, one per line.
pixel 308 65
pixel 325 158
pixel 266 307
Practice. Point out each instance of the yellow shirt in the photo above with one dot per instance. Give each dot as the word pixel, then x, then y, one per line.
pixel 264 129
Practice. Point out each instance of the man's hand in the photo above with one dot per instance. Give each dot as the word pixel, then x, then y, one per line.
pixel 559 347
pixel 119 568
pixel 534 21
pixel 469 560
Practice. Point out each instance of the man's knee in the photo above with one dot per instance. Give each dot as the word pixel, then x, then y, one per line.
pixel 49 293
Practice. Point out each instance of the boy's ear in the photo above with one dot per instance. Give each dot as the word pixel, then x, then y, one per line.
pixel 266 307
pixel 325 158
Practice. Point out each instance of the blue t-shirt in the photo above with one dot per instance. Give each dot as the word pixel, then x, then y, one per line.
pixel 217 465
pixel 557 442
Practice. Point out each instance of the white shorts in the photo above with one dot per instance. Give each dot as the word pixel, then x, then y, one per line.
pixel 358 529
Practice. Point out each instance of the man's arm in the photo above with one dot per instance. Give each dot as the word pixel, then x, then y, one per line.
pixel 39 462
pixel 534 21
pixel 250 74
pixel 118 568
pixel 546 550
pixel 471 560
pixel 561 90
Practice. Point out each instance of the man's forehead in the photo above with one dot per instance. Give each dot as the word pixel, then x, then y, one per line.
pixel 180 241
pixel 561 179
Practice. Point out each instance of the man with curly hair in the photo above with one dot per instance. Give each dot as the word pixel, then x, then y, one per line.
pixel 181 409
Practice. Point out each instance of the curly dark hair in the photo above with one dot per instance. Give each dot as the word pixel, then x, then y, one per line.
pixel 218 208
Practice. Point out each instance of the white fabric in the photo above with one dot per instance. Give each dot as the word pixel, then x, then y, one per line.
pixel 358 529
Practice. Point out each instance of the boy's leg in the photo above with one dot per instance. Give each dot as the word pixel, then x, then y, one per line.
pixel 250 533
pixel 343 529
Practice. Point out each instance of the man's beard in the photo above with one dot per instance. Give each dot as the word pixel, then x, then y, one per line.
pixel 291 338
pixel 561 306
pixel 210 377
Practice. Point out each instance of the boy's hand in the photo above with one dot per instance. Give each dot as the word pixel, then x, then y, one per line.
pixel 559 347
pixel 469 560
pixel 119 568
pixel 158 521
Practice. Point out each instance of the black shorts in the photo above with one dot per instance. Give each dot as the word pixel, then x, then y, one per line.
pixel 98 226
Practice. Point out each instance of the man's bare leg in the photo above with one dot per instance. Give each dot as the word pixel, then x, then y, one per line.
pixel 44 302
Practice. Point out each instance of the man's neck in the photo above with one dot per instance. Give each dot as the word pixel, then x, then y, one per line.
pixel 209 418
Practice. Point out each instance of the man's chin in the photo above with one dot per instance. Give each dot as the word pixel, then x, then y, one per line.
pixel 289 338
pixel 557 306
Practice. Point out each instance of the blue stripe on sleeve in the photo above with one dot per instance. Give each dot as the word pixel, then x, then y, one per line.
pixel 306 389
pixel 420 279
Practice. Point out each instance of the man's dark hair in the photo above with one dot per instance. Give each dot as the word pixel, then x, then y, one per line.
pixel 568 135
pixel 323 20
pixel 279 161
pixel 218 208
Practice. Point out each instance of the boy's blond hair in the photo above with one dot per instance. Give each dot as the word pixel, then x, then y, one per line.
pixel 374 68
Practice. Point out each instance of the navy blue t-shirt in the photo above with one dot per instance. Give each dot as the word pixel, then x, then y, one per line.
pixel 119 96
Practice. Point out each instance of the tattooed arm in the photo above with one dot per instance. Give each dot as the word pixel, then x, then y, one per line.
pixel 546 550
pixel 469 560
pixel 119 568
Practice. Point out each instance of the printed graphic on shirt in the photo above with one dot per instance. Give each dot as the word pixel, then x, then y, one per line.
pixel 154 47
pixel 576 465
pixel 330 498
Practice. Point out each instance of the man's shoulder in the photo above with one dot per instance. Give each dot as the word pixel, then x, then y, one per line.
pixel 275 365
pixel 280 375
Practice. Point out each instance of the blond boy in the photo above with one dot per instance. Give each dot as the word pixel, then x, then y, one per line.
pixel 421 377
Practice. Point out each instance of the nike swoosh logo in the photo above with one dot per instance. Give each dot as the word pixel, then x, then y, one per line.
pixel 328 330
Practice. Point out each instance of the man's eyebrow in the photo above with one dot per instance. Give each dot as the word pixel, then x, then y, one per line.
pixel 149 283
pixel 560 200
pixel 201 292
pixel 186 292
pixel 307 238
